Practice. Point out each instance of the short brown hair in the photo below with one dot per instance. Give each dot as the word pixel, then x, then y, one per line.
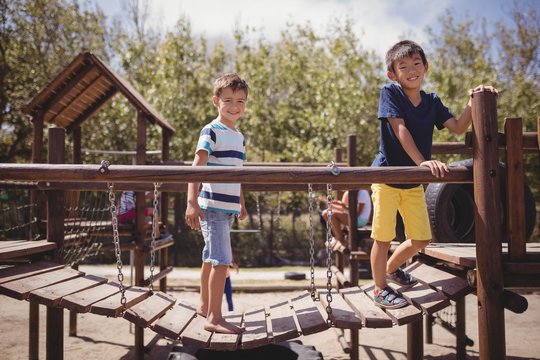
pixel 232 80
pixel 402 49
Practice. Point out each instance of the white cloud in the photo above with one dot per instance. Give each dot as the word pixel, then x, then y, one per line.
pixel 378 23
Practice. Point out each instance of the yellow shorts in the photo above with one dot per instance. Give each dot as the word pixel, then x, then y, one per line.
pixel 411 204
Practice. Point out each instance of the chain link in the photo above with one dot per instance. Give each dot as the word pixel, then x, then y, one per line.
pixel 311 242
pixel 117 250
pixel 329 254
pixel 155 226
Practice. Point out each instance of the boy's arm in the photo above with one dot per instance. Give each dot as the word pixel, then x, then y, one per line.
pixel 407 142
pixel 459 126
pixel 193 211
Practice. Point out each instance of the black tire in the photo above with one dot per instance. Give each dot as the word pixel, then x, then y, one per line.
pixel 293 275
pixel 451 209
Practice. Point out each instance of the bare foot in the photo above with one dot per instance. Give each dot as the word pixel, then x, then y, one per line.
pixel 201 312
pixel 223 327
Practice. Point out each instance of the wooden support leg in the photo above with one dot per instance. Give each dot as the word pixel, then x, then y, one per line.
pixel 139 343
pixel 33 343
pixel 415 341
pixel 429 329
pixel 461 337
pixel 72 323
pixel 355 344
pixel 55 334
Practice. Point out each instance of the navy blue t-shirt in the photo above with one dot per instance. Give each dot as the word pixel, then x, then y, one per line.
pixel 420 121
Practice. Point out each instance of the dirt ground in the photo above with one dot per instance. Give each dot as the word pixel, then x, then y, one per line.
pixel 100 338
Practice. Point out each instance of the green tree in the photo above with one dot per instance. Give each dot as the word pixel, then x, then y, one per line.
pixel 38 38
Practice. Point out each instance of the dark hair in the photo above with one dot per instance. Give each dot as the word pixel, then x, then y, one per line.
pixel 402 49
pixel 233 81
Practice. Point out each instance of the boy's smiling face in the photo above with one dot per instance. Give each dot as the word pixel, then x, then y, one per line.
pixel 231 105
pixel 409 72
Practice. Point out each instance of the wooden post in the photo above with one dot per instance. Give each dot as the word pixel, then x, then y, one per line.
pixel 55 232
pixel 164 253
pixel 515 189
pixel 340 262
pixel 353 239
pixel 142 125
pixel 77 159
pixel 35 212
pixel 487 197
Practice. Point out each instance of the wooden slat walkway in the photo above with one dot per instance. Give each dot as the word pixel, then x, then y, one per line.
pixel 352 308
pixel 13 249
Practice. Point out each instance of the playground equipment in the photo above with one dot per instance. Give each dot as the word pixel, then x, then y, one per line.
pixel 494 270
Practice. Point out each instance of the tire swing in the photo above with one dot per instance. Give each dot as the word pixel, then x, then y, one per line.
pixel 451 209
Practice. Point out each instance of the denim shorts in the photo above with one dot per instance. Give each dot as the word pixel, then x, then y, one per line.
pixel 216 230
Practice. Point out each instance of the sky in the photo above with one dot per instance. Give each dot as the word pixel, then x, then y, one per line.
pixel 379 23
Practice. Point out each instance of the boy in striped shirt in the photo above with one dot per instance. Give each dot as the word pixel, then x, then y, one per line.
pixel 212 207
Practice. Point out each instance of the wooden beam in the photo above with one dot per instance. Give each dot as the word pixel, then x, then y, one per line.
pixel 244 175
pixel 89 112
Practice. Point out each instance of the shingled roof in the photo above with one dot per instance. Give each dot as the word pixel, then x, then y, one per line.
pixel 81 89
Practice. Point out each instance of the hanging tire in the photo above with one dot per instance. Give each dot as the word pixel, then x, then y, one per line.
pixel 451 209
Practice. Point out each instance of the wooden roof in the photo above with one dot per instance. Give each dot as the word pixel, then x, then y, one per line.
pixel 81 89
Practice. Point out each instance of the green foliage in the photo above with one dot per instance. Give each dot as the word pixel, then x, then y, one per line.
pixel 37 39
pixel 309 89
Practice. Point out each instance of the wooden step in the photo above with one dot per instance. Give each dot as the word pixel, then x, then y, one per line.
pixel 256 334
pixel 309 317
pixel 282 321
pixel 227 341
pixel 150 309
pixel 13 249
pixel 11 273
pixel 342 315
pixel 175 321
pixel 112 306
pixel 402 316
pixel 83 300
pixel 423 297
pixel 451 285
pixel 20 289
pixel 52 295
pixel 371 315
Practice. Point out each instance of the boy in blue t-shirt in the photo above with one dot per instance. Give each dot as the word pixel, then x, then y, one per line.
pixel 212 209
pixel 407 117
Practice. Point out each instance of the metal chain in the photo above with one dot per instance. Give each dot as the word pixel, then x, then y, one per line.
pixel 329 254
pixel 117 250
pixel 155 225
pixel 311 242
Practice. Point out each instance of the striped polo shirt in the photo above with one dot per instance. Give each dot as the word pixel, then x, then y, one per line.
pixel 225 147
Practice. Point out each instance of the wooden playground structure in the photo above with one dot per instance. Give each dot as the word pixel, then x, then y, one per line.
pixel 36 272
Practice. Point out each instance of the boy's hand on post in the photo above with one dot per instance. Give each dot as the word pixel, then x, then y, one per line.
pixel 243 213
pixel 437 167
pixel 481 88
pixel 193 216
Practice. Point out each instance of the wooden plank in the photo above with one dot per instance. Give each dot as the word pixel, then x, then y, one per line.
pixel 400 316
pixel 282 322
pixel 194 334
pixel 19 289
pixel 52 295
pixel 152 308
pixel 459 254
pixel 227 341
pixel 422 296
pixel 371 315
pixel 17 248
pixel 112 306
pixel 451 285
pixel 26 270
pixel 256 333
pixel 174 321
pixel 83 300
pixel 342 315
pixel 309 317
